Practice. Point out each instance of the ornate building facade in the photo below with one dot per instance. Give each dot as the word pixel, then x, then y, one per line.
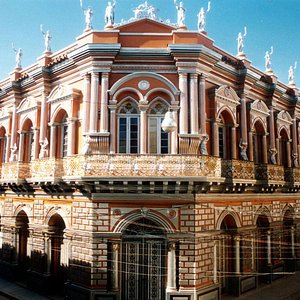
pixel 99 201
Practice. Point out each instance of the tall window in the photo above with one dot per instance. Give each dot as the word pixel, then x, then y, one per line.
pixel 28 154
pixel 224 136
pixel 158 140
pixel 64 137
pixel 258 143
pixel 128 124
pixel 3 145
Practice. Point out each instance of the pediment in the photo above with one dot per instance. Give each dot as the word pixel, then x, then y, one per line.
pixel 145 25
pixel 63 91
pixel 28 103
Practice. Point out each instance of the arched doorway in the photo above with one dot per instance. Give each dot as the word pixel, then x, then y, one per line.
pixel 263 247
pixel 226 252
pixel 288 237
pixel 144 252
pixel 22 234
pixel 56 230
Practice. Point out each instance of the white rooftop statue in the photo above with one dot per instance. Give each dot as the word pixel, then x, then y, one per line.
pixel 180 13
pixel 240 41
pixel 145 10
pixel 110 13
pixel 47 39
pixel 268 59
pixel 202 18
pixel 88 13
pixel 292 73
pixel 19 54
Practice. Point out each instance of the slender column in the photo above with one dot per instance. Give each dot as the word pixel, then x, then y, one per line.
pixel 36 143
pixel 237 254
pixel 216 139
pixel 86 103
pixel 16 242
pixel 94 103
pixel 244 120
pixel 44 120
pixel 13 133
pixel 288 150
pixel 265 149
pixel 202 104
pixel 174 139
pixel 115 266
pixel 183 115
pixel 171 266
pixel 113 128
pixel 293 241
pixel 71 136
pixel 233 142
pixel 47 250
pixel 65 247
pixel 278 140
pixel 53 140
pixel 1 236
pixel 194 104
pixel 143 132
pixel 253 252
pixel 250 143
pixel 7 148
pixel 272 136
pixel 21 145
pixel 295 143
pixel 215 268
pixel 269 247
pixel 30 242
pixel 104 108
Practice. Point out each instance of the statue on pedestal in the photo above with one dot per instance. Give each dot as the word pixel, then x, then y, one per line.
pixel 240 41
pixel 88 13
pixel 292 73
pixel 202 18
pixel 180 13
pixel 110 13
pixel 19 54
pixel 47 39
pixel 268 59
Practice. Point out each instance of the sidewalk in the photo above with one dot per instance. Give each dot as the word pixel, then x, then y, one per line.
pixel 286 288
pixel 17 292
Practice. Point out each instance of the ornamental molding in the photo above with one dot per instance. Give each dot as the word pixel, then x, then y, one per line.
pixel 28 104
pixel 63 92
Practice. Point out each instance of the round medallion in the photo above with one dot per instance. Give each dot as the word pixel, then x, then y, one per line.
pixel 171 213
pixel 259 106
pixel 227 92
pixel 117 213
pixel 144 85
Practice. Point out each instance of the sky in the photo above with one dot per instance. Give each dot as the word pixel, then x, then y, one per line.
pixel 269 23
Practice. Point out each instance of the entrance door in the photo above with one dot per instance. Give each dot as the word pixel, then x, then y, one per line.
pixel 143 264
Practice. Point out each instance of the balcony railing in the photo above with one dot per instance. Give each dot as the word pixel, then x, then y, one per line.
pixel 269 172
pixel 238 170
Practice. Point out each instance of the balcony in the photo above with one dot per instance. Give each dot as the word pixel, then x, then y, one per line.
pixel 111 166
pixel 270 173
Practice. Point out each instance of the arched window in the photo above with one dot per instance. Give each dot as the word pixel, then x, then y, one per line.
pixel 158 140
pixel 283 148
pixel 27 142
pixel 225 136
pixel 258 149
pixel 128 128
pixel 64 137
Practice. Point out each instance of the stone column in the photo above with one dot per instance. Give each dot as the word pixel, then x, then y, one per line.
pixel 183 115
pixel 53 138
pixel 233 142
pixel 273 150
pixel 65 250
pixel 250 145
pixel 215 268
pixel 21 145
pixel 295 143
pixel 16 240
pixel 216 139
pixel 7 147
pixel 71 136
pixel 171 284
pixel 202 104
pixel 194 104
pixel 86 103
pixel 293 241
pixel 143 131
pixel 174 134
pixel 288 153
pixel 104 108
pixel 278 141
pixel 36 144
pixel 44 120
pixel 244 120
pixel 47 250
pixel 265 149
pixel 13 133
pixel 237 254
pixel 269 252
pixel 115 266
pixel 30 242
pixel 94 103
pixel 113 127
